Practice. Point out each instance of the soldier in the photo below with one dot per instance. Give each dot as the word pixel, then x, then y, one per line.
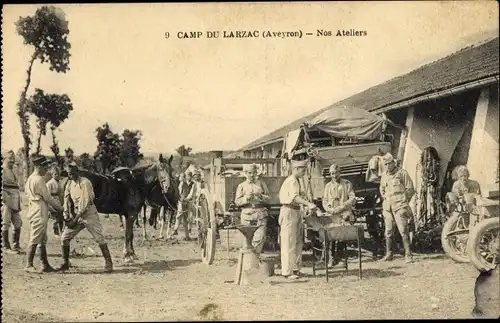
pixel 11 205
pixel 396 188
pixel 292 195
pixel 463 184
pixel 252 195
pixel 339 199
pixel 39 200
pixel 79 194
pixel 56 190
pixel 183 208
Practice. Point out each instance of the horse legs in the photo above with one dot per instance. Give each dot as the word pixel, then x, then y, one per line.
pixel 168 220
pixel 134 217
pixel 144 234
pixel 162 222
pixel 129 235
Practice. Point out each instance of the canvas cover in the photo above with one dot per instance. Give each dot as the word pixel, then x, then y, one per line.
pixel 349 122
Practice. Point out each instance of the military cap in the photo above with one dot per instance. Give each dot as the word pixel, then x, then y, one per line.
pixel 72 165
pixel 299 163
pixel 41 161
pixel 462 170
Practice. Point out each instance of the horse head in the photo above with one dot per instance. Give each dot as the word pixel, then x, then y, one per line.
pixel 164 173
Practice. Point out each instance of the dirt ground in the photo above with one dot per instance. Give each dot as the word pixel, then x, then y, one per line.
pixel 170 283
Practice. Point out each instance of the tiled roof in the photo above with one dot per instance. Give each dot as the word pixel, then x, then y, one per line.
pixel 469 64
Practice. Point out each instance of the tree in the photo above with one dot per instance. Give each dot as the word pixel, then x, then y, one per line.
pixel 51 109
pixel 69 155
pixel 183 151
pixel 130 149
pixel 86 162
pixel 108 148
pixel 47 32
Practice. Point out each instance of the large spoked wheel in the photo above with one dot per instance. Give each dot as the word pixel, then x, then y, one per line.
pixel 483 246
pixel 206 229
pixel 454 237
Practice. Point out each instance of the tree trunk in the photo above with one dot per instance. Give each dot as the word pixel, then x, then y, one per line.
pixel 38 143
pixel 24 120
pixel 55 148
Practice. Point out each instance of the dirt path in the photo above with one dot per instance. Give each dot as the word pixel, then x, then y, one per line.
pixel 169 282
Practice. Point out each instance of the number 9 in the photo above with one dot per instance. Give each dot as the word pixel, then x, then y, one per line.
pixel 167 35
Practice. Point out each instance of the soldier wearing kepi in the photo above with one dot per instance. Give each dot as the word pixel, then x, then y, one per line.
pixel 396 188
pixel 292 194
pixel 39 200
pixel 252 195
pixel 79 195
pixel 11 205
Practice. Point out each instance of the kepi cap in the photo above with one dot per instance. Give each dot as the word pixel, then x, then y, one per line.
pixel 41 161
pixel 72 165
pixel 299 163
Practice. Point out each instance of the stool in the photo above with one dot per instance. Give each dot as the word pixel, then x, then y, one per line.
pixel 340 233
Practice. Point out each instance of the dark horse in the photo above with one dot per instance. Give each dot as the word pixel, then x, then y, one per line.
pixel 126 193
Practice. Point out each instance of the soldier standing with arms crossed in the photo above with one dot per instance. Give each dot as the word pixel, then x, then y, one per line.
pixel 39 199
pixel 292 195
pixel 11 206
pixel 252 195
pixel 396 188
pixel 183 208
pixel 339 199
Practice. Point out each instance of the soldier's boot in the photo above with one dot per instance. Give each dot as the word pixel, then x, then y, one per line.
pixel 16 236
pixel 31 255
pixel 6 242
pixel 108 267
pixel 388 250
pixel 407 247
pixel 47 268
pixel 65 255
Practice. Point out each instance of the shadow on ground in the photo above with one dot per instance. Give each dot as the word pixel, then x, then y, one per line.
pixel 164 265
pixel 366 273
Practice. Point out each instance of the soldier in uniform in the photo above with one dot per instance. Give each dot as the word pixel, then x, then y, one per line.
pixel 39 200
pixel 396 188
pixel 252 195
pixel 79 195
pixel 339 200
pixel 56 190
pixel 183 208
pixel 292 195
pixel 11 205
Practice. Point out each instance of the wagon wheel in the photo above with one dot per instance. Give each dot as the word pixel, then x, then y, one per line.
pixel 206 228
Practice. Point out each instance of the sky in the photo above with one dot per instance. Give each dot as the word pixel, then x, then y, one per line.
pixel 221 94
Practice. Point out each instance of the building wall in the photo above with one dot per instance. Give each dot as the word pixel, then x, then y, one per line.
pixel 440 124
pixel 484 149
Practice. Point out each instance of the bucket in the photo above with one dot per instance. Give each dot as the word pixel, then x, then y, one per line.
pixel 266 267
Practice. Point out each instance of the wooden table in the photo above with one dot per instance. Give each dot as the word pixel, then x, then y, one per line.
pixel 340 233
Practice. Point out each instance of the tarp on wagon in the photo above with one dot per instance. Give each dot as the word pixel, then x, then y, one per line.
pixel 349 122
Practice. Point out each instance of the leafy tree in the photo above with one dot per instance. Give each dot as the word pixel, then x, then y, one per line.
pixel 183 151
pixel 86 162
pixel 69 155
pixel 130 149
pixel 47 32
pixel 108 148
pixel 51 109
